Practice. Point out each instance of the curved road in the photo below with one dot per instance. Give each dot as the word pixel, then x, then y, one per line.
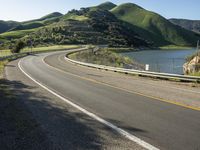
pixel 163 125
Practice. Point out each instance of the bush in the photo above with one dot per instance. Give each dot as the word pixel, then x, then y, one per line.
pixel 18 46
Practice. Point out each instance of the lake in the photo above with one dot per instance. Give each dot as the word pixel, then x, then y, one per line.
pixel 167 61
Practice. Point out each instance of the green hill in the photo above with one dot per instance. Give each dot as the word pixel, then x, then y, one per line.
pixel 154 27
pixel 7 25
pixel 193 25
pixel 106 6
pixel 86 26
pixel 27 26
pixel 43 21
pixel 126 25
pixel 44 18
pixel 50 16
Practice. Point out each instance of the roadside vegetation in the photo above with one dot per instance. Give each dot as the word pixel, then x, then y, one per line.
pixel 195 74
pixel 18 130
pixel 175 47
pixel 35 49
pixel 105 57
pixel 2 65
pixel 8 52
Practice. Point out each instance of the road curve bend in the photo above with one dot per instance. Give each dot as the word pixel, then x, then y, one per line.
pixel 108 96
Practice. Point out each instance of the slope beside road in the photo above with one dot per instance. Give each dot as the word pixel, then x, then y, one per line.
pixel 163 125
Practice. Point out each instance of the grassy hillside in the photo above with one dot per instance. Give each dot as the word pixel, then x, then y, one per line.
pixel 72 16
pixel 193 25
pixel 126 25
pixel 16 34
pixel 85 26
pixel 27 26
pixel 7 25
pixel 102 57
pixel 155 27
pixel 44 18
pixel 106 6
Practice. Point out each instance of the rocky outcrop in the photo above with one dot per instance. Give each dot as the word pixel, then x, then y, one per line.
pixel 192 66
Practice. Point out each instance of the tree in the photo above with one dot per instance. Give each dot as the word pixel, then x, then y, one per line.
pixel 18 46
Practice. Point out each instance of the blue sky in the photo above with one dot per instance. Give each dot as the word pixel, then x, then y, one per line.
pixel 21 10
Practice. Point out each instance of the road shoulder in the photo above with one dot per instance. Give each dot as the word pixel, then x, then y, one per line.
pixel 60 125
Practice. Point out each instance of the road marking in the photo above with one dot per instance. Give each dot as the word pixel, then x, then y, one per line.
pixel 132 92
pixel 151 84
pixel 119 130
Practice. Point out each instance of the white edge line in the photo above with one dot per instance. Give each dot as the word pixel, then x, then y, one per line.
pixel 151 84
pixel 119 130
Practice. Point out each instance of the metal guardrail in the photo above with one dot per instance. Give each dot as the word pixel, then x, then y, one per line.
pixel 136 72
pixel 115 69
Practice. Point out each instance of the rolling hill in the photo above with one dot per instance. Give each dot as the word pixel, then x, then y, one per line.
pixel 43 21
pixel 7 25
pixel 154 27
pixel 106 6
pixel 45 18
pixel 126 25
pixel 88 26
pixel 193 25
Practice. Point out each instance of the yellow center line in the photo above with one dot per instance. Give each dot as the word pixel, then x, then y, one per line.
pixel 126 90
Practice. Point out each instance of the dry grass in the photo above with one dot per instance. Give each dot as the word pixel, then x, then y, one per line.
pixel 37 49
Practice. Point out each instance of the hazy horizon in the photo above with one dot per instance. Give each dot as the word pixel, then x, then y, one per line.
pixel 27 10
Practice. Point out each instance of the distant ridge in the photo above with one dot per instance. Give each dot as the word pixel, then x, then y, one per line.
pixel 36 23
pixel 193 25
pixel 7 25
pixel 46 17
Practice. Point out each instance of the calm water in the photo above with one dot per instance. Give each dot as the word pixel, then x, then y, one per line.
pixel 167 61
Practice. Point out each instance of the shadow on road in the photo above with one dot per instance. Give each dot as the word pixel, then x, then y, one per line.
pixel 29 120
pixel 19 128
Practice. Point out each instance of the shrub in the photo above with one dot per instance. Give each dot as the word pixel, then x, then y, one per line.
pixel 18 46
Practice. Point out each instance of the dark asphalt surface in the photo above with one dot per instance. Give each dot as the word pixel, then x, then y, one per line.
pixel 55 124
pixel 163 125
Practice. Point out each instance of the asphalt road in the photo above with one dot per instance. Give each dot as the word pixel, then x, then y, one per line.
pixel 161 124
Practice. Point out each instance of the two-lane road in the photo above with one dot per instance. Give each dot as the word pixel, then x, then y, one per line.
pixel 161 124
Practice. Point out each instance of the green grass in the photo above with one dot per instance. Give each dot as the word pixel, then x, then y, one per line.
pixel 28 26
pixel 16 34
pixel 106 6
pixel 5 53
pixel 121 50
pixel 74 17
pixel 175 47
pixel 102 57
pixel 45 18
pixel 155 27
pixel 195 74
pixel 53 48
pixel 37 49
pixel 2 65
